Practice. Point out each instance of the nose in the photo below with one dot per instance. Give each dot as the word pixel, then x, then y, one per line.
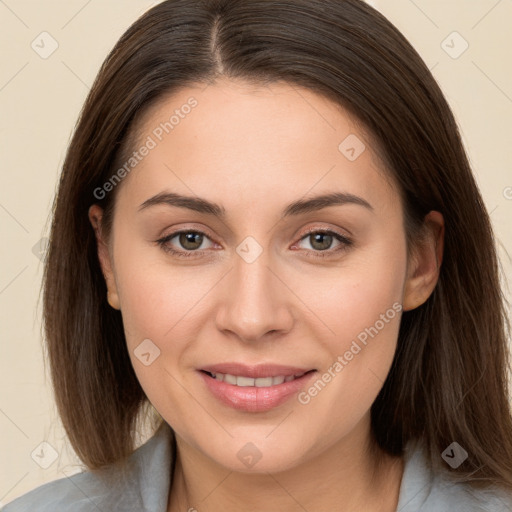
pixel 256 302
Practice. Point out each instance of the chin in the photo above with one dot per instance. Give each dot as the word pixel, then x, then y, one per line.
pixel 259 455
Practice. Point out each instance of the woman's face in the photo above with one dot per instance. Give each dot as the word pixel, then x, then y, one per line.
pixel 255 288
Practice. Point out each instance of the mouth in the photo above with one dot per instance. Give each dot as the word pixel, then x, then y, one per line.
pixel 259 382
pixel 254 388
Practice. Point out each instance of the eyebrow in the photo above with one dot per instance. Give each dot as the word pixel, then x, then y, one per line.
pixel 298 207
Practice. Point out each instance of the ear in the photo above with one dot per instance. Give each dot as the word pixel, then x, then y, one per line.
pixel 425 265
pixel 95 217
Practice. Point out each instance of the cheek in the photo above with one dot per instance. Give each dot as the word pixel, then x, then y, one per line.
pixel 364 289
pixel 151 293
pixel 363 310
pixel 166 304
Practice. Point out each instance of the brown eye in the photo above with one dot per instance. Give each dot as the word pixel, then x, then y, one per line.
pixel 321 242
pixel 190 240
pixel 188 244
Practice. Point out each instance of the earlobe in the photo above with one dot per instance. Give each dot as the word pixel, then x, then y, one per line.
pixel 425 265
pixel 113 300
pixel 95 217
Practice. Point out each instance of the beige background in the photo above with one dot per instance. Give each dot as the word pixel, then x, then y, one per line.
pixel 40 100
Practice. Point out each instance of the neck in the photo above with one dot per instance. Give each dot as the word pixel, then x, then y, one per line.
pixel 352 475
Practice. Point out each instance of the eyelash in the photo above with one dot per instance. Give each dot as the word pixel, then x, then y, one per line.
pixel 346 243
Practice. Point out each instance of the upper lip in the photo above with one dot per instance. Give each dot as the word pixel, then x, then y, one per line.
pixel 255 371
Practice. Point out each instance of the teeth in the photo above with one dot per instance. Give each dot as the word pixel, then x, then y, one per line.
pixel 245 381
pixel 262 382
pixel 230 379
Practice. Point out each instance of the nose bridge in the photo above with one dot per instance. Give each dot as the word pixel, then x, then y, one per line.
pixel 255 300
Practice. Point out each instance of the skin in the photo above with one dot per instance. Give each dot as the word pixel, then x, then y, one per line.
pixel 254 151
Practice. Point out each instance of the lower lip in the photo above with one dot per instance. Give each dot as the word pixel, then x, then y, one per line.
pixel 252 398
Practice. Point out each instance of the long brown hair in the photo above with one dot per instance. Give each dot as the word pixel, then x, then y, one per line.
pixel 448 381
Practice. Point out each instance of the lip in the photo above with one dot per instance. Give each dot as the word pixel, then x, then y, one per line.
pixel 252 398
pixel 255 371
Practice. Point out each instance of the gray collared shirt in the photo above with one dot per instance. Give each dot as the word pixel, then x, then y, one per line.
pixel 144 486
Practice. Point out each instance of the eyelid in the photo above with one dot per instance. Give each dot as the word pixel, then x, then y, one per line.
pixel 317 229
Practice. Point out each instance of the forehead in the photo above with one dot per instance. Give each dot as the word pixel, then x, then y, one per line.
pixel 232 139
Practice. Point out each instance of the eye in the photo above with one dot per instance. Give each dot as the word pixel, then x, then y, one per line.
pixel 321 241
pixel 189 239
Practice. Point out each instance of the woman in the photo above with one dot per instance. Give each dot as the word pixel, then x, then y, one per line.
pixel 336 339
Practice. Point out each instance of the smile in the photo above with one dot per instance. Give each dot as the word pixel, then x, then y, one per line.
pixel 255 393
pixel 262 382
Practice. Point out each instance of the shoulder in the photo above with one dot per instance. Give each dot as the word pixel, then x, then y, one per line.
pixel 75 493
pixel 143 485
pixel 426 491
pixel 463 497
